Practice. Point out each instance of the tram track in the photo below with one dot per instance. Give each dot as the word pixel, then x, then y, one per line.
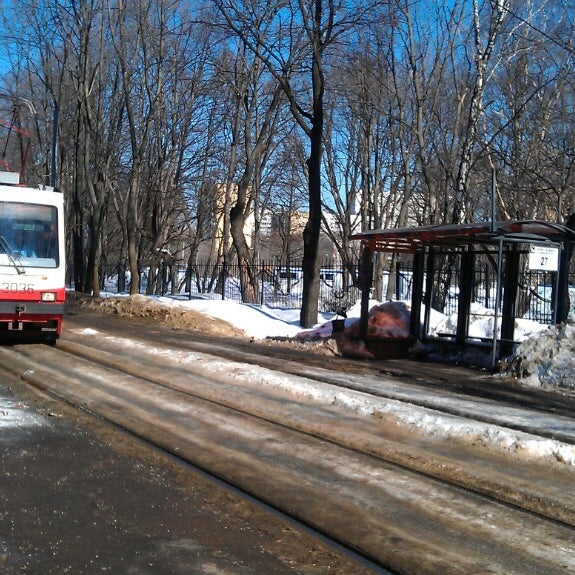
pixel 358 434
pixel 553 413
pixel 244 434
pixel 547 423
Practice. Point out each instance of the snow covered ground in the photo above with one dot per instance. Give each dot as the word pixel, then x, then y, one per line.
pixel 546 355
pixel 15 413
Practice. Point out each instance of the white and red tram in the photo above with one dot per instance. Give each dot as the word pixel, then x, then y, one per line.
pixel 32 261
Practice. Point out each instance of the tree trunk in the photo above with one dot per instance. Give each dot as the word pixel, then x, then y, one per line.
pixel 248 282
pixel 131 232
pixel 312 231
pixel 311 234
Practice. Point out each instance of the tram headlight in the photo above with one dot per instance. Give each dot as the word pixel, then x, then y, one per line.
pixel 48 296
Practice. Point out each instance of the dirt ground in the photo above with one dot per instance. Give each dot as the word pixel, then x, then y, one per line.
pixel 143 307
pixel 81 497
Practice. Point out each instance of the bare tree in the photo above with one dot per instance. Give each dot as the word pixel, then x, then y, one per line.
pixel 532 127
pixel 293 50
pixel 255 114
pixel 398 121
pixel 370 146
pixel 74 68
pixel 448 82
pixel 158 86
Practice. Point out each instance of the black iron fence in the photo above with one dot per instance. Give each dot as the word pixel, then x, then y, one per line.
pixel 281 286
pixel 273 285
pixel 536 296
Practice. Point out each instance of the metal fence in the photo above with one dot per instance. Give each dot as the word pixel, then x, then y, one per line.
pixel 275 285
pixel 280 286
pixel 536 296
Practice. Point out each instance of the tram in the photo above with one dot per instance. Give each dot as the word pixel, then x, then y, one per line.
pixel 32 261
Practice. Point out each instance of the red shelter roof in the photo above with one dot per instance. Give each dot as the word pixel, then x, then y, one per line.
pixel 411 239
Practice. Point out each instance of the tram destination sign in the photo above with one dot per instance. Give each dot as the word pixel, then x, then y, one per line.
pixel 544 258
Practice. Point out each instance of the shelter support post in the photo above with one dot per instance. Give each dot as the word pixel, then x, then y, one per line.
pixel 497 300
pixel 417 294
pixel 466 280
pixel 509 309
pixel 563 303
pixel 430 273
pixel 366 278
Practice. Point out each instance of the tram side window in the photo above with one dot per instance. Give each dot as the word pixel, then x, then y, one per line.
pixel 30 234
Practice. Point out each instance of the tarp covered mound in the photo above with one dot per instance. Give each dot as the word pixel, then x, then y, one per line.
pixel 389 320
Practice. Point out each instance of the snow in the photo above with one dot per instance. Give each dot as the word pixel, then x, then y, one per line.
pixel 258 322
pixel 547 356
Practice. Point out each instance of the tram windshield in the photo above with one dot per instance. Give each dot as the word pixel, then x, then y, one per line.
pixel 28 235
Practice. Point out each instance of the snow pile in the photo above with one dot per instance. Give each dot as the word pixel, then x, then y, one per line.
pixel 257 321
pixel 547 358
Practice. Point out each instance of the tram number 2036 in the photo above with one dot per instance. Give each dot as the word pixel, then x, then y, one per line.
pixel 16 287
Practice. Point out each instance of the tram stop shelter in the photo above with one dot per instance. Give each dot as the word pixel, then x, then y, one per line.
pixel 501 264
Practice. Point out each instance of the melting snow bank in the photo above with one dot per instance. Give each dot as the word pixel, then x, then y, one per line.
pixel 434 424
pixel 546 358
